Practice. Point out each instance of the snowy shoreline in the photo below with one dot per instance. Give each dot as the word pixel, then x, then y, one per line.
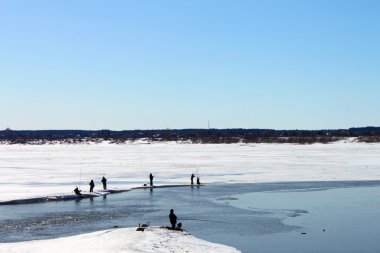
pixel 129 240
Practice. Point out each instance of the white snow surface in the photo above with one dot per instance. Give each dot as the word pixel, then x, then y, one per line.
pixel 126 240
pixel 46 170
pixel 40 170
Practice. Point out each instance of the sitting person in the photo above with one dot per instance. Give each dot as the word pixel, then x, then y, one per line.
pixel 77 192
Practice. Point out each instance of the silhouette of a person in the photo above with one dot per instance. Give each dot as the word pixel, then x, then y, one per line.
pixel 92 185
pixel 192 178
pixel 151 179
pixel 172 218
pixel 77 192
pixel 104 182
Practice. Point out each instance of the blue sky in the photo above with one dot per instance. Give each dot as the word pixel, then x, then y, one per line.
pixel 143 64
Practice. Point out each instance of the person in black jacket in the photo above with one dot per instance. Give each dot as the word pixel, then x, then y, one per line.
pixel 104 182
pixel 172 218
pixel 77 192
pixel 151 179
pixel 192 178
pixel 92 185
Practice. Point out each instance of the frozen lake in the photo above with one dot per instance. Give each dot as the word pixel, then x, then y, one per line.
pixel 264 217
pixel 35 170
pixel 257 198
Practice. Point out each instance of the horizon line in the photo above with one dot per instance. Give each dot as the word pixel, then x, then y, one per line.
pixel 168 129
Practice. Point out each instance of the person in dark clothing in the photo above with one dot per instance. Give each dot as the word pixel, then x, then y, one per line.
pixel 192 178
pixel 77 192
pixel 92 185
pixel 151 179
pixel 104 182
pixel 198 181
pixel 172 218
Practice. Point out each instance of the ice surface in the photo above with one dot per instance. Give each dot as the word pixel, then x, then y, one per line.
pixel 35 171
pixel 155 240
pixel 28 171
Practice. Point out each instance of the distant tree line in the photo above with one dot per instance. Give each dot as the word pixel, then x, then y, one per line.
pixel 363 134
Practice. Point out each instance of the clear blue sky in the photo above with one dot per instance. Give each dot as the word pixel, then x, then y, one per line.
pixel 90 64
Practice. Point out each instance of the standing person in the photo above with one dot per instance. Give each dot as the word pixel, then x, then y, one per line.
pixel 104 182
pixel 172 218
pixel 77 192
pixel 198 181
pixel 92 185
pixel 151 179
pixel 192 178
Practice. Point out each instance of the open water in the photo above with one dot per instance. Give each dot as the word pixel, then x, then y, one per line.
pixel 269 217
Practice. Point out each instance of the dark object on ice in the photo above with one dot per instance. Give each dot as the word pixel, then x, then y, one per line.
pixel 172 218
pixel 92 185
pixel 177 228
pixel 192 178
pixel 77 192
pixel 104 182
pixel 151 179
pixel 145 184
pixel 324 230
pixel 179 225
pixel 303 233
pixel 142 227
pixel 198 181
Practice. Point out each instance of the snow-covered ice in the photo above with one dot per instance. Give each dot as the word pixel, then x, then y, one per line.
pixel 28 171
pixel 126 240
pixel 41 170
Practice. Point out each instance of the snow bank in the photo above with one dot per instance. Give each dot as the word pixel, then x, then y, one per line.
pixel 28 171
pixel 155 240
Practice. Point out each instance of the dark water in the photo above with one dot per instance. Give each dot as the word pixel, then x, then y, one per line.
pixel 206 212
pixel 330 220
